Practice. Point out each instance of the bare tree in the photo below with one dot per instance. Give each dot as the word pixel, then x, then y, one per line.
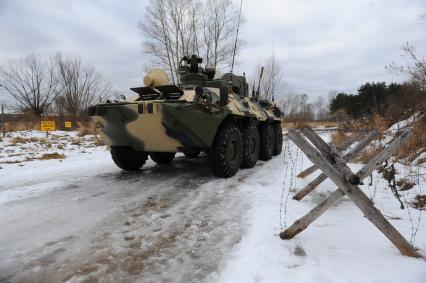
pixel 416 69
pixel 170 28
pixel 271 85
pixel 272 79
pixel 60 104
pixel 175 28
pixel 31 82
pixel 3 105
pixel 219 25
pixel 81 85
pixel 296 107
pixel 321 109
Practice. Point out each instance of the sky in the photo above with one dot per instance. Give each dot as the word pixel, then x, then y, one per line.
pixel 322 46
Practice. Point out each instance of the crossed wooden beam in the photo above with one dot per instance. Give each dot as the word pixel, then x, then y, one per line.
pixel 349 156
pixel 308 171
pixel 327 158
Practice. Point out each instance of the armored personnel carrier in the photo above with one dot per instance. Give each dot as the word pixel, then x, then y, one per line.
pixel 216 116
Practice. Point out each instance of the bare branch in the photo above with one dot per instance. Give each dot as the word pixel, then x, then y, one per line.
pixel 175 28
pixel 30 82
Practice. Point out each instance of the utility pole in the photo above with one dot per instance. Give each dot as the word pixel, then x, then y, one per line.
pixel 273 66
pixel 3 104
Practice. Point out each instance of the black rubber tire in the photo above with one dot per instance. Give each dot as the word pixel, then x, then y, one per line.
pixel 226 153
pixel 251 146
pixel 267 142
pixel 191 154
pixel 278 135
pixel 163 158
pixel 127 158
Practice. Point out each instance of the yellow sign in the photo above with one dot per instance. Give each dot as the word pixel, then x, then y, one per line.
pixel 68 124
pixel 47 125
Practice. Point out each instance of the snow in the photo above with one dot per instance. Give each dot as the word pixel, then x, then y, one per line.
pixel 340 246
pixel 21 148
pixel 397 127
pixel 79 218
pixel 404 123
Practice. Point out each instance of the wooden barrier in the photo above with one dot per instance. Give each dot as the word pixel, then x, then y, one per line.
pixel 326 157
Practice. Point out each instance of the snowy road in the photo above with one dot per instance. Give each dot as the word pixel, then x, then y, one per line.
pixel 84 220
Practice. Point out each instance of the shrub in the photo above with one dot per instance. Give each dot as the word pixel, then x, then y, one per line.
pixel 84 130
pixel 55 155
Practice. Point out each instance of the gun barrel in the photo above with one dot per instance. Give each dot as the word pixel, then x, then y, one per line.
pixel 260 80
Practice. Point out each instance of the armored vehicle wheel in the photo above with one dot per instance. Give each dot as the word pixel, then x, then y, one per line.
pixel 278 135
pixel 251 146
pixel 266 141
pixel 191 154
pixel 226 152
pixel 162 157
pixel 127 158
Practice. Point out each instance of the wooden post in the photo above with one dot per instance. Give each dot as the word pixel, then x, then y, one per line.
pixel 333 198
pixel 317 141
pixel 2 120
pixel 308 171
pixel 349 142
pixel 310 187
pixel 352 191
pixel 351 155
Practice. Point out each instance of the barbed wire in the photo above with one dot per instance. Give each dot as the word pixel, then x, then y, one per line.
pixel 294 161
pixel 285 148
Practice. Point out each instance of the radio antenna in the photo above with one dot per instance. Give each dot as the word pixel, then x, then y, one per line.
pixel 258 86
pixel 235 43
pixel 273 65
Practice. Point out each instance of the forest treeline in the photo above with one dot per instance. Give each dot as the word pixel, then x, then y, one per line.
pixel 387 100
pixel 393 101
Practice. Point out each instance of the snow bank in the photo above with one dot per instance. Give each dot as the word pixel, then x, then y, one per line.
pixel 404 123
pixel 340 246
pixel 20 148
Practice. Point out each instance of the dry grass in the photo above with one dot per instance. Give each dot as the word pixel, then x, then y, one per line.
pixel 421 161
pixel 22 140
pixel 17 140
pixel 314 124
pixel 11 162
pixel 379 123
pixel 76 142
pixel 367 154
pixel 15 154
pixel 55 155
pixel 98 142
pixel 420 202
pixel 84 130
pixel 405 184
pixel 341 138
pixel 407 153
pixel 20 126
pixel 416 145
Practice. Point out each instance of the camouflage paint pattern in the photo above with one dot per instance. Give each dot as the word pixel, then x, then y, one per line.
pixel 174 125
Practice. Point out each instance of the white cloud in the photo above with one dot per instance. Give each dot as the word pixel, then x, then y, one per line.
pixel 322 45
pixel 332 44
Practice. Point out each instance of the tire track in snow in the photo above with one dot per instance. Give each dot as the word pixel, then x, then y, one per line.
pixel 173 224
